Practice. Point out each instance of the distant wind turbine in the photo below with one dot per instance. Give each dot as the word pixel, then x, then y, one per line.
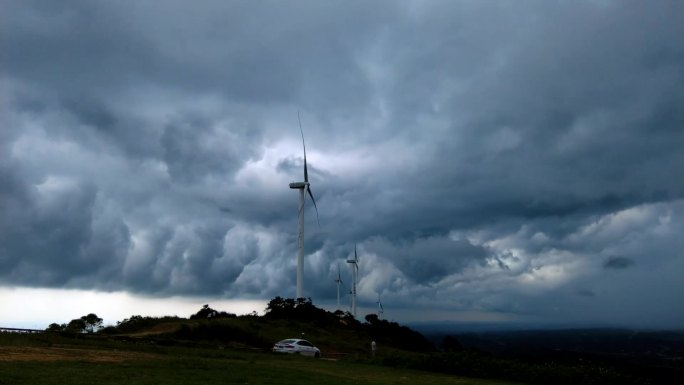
pixel 381 311
pixel 301 186
pixel 339 282
pixel 355 275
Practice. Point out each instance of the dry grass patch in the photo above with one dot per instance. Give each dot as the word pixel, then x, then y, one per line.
pixel 48 354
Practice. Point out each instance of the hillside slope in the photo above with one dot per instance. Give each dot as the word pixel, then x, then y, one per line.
pixel 334 333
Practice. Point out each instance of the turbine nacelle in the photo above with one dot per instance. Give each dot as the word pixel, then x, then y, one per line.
pixel 299 185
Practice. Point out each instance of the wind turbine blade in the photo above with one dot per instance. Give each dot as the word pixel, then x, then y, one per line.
pixel 308 189
pixel 356 257
pixel 306 172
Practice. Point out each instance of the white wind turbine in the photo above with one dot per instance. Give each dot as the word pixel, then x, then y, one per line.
pixel 381 310
pixel 301 186
pixel 339 282
pixel 355 275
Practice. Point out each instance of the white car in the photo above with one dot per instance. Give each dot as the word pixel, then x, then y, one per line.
pixel 297 346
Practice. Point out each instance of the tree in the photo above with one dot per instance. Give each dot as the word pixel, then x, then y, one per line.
pixel 77 325
pixel 55 327
pixel 301 309
pixel 372 318
pixel 280 307
pixel 87 324
pixel 207 312
pixel 92 322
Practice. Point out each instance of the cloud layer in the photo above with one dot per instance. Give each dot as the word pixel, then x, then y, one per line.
pixel 519 159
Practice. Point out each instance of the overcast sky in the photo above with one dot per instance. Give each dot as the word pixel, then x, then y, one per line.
pixel 492 160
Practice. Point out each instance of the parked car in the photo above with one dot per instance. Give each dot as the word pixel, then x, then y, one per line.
pixel 297 346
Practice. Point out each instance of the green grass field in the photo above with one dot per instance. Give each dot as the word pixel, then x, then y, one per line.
pixel 236 350
pixel 54 359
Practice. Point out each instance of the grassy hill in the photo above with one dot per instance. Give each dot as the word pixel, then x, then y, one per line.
pixel 335 334
pixel 218 346
pixel 56 359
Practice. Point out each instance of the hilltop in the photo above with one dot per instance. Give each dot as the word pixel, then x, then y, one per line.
pixel 335 333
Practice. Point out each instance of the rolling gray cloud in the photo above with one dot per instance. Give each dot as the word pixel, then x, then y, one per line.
pixel 618 263
pixel 520 159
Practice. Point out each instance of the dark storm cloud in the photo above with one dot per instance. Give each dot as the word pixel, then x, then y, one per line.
pixel 264 53
pixel 618 263
pixel 51 237
pixel 427 260
pixel 482 155
pixel 194 149
pixel 553 108
pixel 586 293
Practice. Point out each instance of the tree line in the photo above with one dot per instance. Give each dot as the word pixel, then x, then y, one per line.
pixel 90 323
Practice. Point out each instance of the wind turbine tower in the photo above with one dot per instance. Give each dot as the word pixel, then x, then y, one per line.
pixel 381 310
pixel 339 282
pixel 302 186
pixel 355 276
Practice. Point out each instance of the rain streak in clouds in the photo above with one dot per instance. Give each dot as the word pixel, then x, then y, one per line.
pixel 514 159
